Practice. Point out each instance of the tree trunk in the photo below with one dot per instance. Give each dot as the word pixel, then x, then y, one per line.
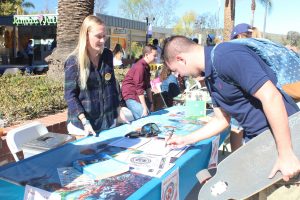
pixel 229 16
pixel 71 14
pixel 253 7
pixel 265 18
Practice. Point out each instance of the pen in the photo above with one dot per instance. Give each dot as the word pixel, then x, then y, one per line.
pixel 170 135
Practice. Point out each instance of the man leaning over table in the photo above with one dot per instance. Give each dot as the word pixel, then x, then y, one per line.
pixel 137 81
pixel 256 103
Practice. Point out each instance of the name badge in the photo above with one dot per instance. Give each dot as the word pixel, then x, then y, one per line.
pixel 107 76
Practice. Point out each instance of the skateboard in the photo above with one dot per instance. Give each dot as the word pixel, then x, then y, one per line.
pixel 245 172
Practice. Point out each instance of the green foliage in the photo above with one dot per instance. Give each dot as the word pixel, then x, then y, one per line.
pixel 29 97
pixel 6 8
pixel 136 49
pixel 186 24
pixel 11 7
pixel 120 74
pixel 265 2
pixel 293 38
pixel 161 10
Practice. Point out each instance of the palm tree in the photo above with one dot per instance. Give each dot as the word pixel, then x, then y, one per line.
pixel 253 7
pixel 229 16
pixel 21 5
pixel 70 16
pixel 268 7
pixel 14 7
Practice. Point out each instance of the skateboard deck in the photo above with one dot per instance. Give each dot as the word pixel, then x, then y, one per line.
pixel 245 172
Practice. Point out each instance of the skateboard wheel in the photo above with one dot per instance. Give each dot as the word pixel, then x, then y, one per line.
pixel 203 176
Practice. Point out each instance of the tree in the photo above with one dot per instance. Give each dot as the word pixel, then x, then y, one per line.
pixel 229 17
pixel 293 38
pixel 207 23
pixel 70 17
pixel 161 10
pixel 186 24
pixel 268 7
pixel 100 6
pixel 11 7
pixel 253 8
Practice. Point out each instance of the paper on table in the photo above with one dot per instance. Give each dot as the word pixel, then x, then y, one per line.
pixel 158 147
pixel 177 152
pixel 146 160
pixel 33 193
pixel 150 165
pixel 213 162
pixel 170 187
pixel 153 172
pixel 155 147
pixel 130 142
pixel 70 177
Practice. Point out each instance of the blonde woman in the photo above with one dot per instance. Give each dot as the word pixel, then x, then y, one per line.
pixel 256 33
pixel 90 84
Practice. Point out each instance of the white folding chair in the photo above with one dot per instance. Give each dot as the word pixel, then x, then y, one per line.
pixel 15 138
pixel 11 71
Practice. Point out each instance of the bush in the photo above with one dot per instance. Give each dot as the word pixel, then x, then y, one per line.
pixel 120 74
pixel 29 97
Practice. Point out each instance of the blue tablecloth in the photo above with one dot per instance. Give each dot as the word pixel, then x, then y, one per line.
pixel 41 170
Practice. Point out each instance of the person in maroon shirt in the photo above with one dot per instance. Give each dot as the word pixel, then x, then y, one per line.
pixel 137 81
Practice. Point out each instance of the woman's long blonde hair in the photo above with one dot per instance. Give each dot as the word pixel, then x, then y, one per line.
pixel 81 50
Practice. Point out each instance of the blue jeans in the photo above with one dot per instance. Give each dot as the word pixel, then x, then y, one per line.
pixel 135 107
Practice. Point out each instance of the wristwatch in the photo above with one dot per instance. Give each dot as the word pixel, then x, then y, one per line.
pixel 85 122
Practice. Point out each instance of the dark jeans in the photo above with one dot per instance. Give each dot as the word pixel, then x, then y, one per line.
pixel 30 59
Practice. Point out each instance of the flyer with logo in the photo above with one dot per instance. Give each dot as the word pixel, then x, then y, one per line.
pixel 170 186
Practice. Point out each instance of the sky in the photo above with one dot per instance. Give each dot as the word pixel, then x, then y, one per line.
pixel 283 17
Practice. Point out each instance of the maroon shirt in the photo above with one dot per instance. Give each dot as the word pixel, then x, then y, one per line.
pixel 136 81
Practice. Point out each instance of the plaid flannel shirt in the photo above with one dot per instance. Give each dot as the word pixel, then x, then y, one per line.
pixel 99 101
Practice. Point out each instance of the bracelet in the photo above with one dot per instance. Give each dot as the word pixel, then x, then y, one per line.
pixel 85 122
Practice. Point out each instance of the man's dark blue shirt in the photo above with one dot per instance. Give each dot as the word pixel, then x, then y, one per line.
pixel 248 73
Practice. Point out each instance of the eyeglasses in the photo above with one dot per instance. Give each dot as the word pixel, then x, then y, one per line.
pixel 148 130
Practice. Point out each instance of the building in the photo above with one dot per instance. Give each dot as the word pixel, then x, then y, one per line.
pixel 15 31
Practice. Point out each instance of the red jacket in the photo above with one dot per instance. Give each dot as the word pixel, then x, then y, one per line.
pixel 136 81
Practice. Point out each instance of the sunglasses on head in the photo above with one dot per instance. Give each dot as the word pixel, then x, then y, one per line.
pixel 148 130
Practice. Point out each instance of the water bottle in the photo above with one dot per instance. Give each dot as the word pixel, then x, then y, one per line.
pixel 1 127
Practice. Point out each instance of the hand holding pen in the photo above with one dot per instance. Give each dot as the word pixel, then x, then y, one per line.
pixel 175 141
pixel 169 137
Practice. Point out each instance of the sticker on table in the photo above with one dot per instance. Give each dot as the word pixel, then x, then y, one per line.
pixel 170 186
pixel 33 193
pixel 213 162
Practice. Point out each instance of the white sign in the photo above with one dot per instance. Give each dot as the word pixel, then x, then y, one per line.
pixel 33 193
pixel 30 20
pixel 119 31
pixel 214 153
pixel 170 186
